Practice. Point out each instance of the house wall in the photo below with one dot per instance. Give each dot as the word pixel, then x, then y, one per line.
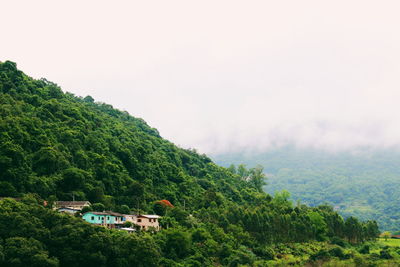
pixel 119 220
pixel 98 219
pixel 145 223
pixel 65 210
pixel 75 206
pixel 131 218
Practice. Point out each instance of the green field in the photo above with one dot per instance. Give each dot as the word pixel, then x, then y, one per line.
pixel 390 242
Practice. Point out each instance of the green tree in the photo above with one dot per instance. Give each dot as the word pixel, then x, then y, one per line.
pixel 386 235
pixel 98 207
pixel 177 244
pixel 20 251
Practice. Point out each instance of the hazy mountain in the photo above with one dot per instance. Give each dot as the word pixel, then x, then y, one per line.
pixel 363 183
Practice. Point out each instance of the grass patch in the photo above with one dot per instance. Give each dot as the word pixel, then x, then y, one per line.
pixel 390 242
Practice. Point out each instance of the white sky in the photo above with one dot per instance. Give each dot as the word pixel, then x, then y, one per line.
pixel 223 75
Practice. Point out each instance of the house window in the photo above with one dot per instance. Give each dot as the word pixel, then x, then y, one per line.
pixel 139 220
pixel 92 218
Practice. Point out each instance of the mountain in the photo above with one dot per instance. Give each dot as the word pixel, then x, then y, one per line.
pixel 360 183
pixel 54 145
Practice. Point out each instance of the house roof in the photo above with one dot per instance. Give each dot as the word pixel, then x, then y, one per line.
pixel 150 216
pixel 105 213
pixel 96 213
pixel 72 203
pixel 127 229
pixel 114 213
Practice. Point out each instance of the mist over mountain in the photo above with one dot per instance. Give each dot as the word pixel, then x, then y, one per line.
pixel 317 74
pixel 360 183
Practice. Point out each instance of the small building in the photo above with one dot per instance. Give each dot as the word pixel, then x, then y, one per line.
pixel 74 205
pixel 108 219
pixel 68 210
pixel 147 222
pixel 144 222
pixel 119 218
pixel 131 218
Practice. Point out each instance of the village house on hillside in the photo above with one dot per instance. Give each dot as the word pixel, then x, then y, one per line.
pixel 145 222
pixel 148 221
pixel 109 219
pixel 71 206
pixel 116 220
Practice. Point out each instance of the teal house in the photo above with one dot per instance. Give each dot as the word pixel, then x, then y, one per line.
pixel 108 219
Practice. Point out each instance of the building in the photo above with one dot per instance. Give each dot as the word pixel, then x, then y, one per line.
pixel 68 210
pixel 72 205
pixel 108 219
pixel 147 222
pixel 131 218
pixel 119 218
pixel 112 219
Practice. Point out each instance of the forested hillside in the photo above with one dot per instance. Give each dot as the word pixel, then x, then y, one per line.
pixel 54 145
pixel 362 184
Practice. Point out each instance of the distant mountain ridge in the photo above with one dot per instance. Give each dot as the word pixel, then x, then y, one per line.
pixel 363 184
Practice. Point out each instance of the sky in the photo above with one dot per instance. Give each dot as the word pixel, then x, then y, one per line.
pixel 223 76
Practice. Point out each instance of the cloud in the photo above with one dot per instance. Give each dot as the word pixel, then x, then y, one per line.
pixel 224 75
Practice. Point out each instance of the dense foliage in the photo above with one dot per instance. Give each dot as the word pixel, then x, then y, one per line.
pixel 359 183
pixel 54 145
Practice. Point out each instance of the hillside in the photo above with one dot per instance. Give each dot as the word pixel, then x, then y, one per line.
pixel 361 184
pixel 54 145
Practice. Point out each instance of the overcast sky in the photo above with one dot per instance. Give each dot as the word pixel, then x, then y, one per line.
pixel 222 76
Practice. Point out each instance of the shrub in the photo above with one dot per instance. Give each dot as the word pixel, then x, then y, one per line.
pixel 364 249
pixel 384 254
pixel 338 241
pixel 321 254
pixel 337 252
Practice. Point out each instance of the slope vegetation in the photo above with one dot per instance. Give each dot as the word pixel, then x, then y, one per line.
pixel 54 145
pixel 359 184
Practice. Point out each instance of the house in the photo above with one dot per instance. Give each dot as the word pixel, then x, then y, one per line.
pixel 148 221
pixel 72 205
pixel 68 210
pixel 131 218
pixel 119 218
pixel 109 219
pixel 112 219
pixel 144 221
